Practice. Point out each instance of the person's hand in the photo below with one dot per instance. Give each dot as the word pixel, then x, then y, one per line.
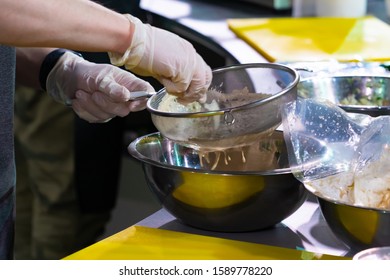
pixel 168 58
pixel 97 92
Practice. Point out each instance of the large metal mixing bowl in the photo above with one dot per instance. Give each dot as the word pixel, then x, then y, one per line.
pixel 358 227
pixel 356 94
pixel 237 117
pixel 234 190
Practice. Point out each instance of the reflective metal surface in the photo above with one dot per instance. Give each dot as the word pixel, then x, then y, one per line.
pixel 359 228
pixel 233 121
pixel 357 94
pixel 377 253
pixel 230 191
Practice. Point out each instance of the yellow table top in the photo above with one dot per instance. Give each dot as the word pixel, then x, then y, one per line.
pixel 316 39
pixel 144 243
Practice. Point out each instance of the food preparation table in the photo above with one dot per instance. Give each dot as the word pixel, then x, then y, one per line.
pixel 304 229
pixel 303 235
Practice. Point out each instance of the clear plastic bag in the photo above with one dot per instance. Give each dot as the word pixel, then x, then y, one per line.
pixel 342 156
pixel 321 138
pixel 371 166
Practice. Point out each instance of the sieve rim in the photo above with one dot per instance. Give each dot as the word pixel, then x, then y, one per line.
pixel 256 103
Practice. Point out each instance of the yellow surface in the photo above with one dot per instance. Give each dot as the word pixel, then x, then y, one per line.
pixel 215 191
pixel 316 39
pixel 143 243
pixel 360 223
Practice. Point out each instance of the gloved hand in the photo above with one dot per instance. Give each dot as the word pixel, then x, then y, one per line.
pixel 168 58
pixel 97 92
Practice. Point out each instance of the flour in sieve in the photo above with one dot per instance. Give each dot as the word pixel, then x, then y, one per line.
pixel 215 134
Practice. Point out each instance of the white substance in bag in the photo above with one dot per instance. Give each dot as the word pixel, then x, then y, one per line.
pixel 359 175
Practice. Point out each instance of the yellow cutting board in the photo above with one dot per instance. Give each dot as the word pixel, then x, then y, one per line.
pixel 316 39
pixel 144 243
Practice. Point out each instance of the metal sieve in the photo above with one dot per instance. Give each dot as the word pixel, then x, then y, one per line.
pixel 248 99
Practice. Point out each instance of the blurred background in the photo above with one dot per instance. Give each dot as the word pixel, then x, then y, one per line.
pixel 135 202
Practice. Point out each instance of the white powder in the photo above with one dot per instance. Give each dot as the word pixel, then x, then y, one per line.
pixel 370 187
pixel 372 184
pixel 337 187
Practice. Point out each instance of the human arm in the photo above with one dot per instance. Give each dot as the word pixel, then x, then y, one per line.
pixel 77 24
pixel 96 92
pixel 85 25
pixel 167 57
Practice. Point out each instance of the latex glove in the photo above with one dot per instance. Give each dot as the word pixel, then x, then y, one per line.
pixel 97 92
pixel 168 58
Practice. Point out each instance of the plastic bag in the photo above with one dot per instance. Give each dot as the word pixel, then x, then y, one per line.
pixel 371 166
pixel 321 138
pixel 343 156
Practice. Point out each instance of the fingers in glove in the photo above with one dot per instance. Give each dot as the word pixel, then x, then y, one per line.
pixel 121 109
pixel 202 79
pixel 119 85
pixel 77 108
pixel 87 109
pixel 117 93
pixel 138 105
pixel 195 88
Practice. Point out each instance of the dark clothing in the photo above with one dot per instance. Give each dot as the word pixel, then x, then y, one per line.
pixel 7 161
pixel 99 147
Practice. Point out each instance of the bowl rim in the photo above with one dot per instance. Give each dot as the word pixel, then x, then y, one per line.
pixel 370 251
pixel 352 108
pixel 256 103
pixel 318 195
pixel 132 149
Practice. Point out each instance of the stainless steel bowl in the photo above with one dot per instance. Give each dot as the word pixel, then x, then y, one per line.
pixel 358 227
pixel 376 253
pixel 357 94
pixel 229 191
pixel 270 86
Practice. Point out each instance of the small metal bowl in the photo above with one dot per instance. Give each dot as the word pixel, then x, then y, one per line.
pixel 378 253
pixel 358 227
pixel 228 191
pixel 368 95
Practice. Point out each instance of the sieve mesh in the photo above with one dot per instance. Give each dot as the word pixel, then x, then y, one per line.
pixel 248 102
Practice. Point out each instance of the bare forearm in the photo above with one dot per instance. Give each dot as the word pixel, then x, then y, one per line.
pixel 77 24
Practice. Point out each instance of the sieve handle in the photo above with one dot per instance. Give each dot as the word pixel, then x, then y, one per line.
pixel 135 95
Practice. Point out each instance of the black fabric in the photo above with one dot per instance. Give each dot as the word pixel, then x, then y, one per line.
pixel 7 159
pixel 48 64
pixel 98 154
